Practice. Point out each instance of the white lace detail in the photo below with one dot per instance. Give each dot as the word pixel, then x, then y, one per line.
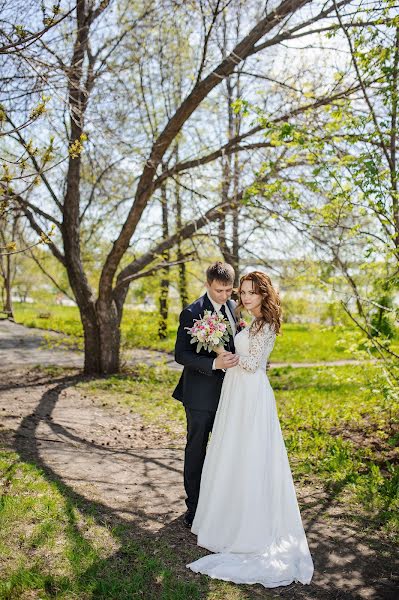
pixel 260 346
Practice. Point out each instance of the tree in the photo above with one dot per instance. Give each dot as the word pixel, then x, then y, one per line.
pixel 88 73
pixel 15 39
pixel 344 198
pixel 7 268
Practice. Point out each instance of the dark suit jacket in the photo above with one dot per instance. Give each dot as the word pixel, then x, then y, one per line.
pixel 199 386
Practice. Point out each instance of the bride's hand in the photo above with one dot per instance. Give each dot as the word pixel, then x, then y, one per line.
pixel 227 360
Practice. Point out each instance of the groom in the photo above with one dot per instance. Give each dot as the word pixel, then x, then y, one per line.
pixel 201 381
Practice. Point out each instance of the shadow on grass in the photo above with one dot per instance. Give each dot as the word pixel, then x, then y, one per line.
pixel 151 565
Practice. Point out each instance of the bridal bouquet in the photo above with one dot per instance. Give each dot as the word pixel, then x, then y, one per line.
pixel 211 332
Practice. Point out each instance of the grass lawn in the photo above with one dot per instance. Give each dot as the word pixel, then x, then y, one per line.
pixel 340 431
pixel 298 343
pixel 53 548
pixel 336 422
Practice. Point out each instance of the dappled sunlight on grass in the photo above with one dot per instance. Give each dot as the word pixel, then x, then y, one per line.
pixel 336 424
pixel 51 547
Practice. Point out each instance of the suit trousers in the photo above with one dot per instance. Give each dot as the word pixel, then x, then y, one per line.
pixel 199 426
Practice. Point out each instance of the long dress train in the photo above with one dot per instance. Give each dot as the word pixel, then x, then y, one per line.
pixel 247 511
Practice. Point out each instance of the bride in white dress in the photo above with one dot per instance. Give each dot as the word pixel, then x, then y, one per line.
pixel 247 511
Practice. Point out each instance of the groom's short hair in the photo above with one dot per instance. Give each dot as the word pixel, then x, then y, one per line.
pixel 220 271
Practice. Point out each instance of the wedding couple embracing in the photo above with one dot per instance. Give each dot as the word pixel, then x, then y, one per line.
pixel 241 500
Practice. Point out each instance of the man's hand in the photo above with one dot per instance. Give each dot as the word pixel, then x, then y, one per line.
pixel 226 360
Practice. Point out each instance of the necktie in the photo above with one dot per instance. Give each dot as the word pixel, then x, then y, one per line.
pixel 224 313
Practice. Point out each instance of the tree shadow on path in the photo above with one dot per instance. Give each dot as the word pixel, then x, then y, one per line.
pixel 154 548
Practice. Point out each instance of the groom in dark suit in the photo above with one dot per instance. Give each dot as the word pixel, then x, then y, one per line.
pixel 201 381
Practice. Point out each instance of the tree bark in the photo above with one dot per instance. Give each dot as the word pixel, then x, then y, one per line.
pixel 109 335
pixel 101 320
pixel 235 243
pixel 91 334
pixel 8 289
pixel 6 265
pixel 230 179
pixel 164 286
pixel 101 328
pixel 182 281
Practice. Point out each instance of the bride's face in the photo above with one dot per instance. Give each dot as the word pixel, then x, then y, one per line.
pixel 250 299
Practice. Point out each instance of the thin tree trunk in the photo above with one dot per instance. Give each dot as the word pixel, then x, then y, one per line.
pixel 182 282
pixel 226 170
pixel 7 270
pixel 223 245
pixel 393 140
pixel 235 250
pixel 164 286
pixel 8 291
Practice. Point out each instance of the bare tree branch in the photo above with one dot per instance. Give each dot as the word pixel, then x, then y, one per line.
pixel 145 188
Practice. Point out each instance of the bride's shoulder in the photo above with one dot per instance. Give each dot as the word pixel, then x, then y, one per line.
pixel 267 331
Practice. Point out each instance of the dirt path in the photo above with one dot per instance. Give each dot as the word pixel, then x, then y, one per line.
pixel 20 345
pixel 133 474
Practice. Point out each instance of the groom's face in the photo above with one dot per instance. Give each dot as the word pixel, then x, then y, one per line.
pixel 219 291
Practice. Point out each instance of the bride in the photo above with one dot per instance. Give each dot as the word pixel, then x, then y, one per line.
pixel 247 511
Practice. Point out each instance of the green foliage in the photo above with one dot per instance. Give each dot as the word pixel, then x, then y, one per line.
pixel 381 315
pixel 345 196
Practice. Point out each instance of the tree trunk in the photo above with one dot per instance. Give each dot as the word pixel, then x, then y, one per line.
pixel 92 351
pixel 235 244
pixel 7 284
pixel 223 245
pixel 6 264
pixel 163 306
pixel 226 164
pixel 101 340
pixel 110 337
pixel 164 287
pixel 101 327
pixel 182 282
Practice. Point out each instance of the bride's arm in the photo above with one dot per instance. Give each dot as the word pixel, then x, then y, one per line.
pixel 260 344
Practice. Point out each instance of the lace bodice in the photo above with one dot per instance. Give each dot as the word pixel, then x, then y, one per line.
pixel 254 348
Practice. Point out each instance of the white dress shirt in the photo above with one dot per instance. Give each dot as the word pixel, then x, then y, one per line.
pixel 217 308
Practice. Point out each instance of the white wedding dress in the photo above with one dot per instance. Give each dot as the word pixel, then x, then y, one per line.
pixel 247 511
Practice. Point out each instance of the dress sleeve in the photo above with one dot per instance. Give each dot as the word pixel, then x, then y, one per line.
pixel 260 345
